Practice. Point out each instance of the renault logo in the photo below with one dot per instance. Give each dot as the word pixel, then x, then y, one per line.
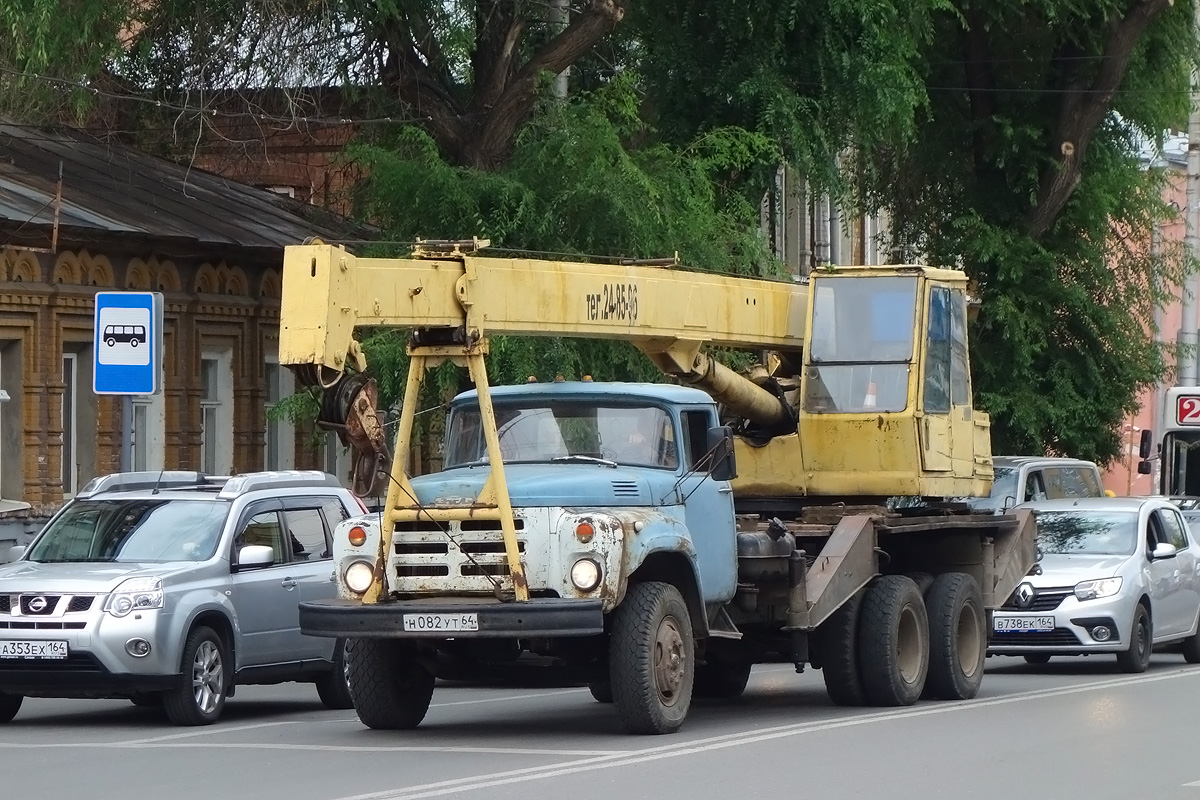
pixel 38 604
pixel 1025 595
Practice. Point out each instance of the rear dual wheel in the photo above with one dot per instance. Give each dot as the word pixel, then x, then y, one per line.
pixel 888 645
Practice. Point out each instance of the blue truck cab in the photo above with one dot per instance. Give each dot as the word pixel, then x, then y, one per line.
pixel 609 482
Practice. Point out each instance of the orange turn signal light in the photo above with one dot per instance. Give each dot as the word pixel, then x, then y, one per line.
pixel 357 536
pixel 584 531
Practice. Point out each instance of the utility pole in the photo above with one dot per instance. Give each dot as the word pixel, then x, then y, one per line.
pixel 1189 322
pixel 560 16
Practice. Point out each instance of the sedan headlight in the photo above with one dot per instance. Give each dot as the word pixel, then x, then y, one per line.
pixel 1094 590
pixel 135 594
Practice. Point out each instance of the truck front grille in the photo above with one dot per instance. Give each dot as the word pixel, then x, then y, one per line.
pixel 468 556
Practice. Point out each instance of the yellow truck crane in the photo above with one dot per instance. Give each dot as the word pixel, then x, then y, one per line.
pixel 659 539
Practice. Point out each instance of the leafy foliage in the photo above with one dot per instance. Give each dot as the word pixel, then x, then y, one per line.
pixel 1001 138
pixel 637 203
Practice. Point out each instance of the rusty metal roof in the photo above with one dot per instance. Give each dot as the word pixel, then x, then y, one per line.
pixel 112 191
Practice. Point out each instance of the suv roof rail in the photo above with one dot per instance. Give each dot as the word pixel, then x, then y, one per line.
pixel 280 479
pixel 134 481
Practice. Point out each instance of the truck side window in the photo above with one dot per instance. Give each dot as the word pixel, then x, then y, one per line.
pixel 1090 480
pixel 960 369
pixel 695 437
pixel 1035 487
pixel 937 353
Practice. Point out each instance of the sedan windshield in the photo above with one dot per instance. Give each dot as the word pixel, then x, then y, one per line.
pixel 1108 533
pixel 122 531
pixel 563 431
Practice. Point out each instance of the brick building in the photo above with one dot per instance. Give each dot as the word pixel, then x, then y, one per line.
pixel 79 216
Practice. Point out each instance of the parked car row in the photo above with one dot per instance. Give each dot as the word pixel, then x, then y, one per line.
pixel 172 589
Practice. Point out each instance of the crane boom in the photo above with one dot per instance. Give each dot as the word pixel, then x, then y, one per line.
pixel 879 405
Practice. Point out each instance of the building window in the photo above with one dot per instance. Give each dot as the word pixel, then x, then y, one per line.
pixel 69 402
pixel 216 412
pixel 337 458
pixel 280 433
pixel 148 432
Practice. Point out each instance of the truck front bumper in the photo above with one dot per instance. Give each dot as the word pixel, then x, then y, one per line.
pixel 536 618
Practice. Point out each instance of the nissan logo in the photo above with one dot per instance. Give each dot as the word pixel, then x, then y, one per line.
pixel 38 604
pixel 1025 595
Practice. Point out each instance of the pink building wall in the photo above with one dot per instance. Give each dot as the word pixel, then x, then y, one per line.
pixel 1121 476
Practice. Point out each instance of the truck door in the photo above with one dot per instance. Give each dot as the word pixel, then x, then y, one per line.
pixel 708 510
pixel 935 405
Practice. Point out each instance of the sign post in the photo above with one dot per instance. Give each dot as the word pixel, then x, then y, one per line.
pixel 128 358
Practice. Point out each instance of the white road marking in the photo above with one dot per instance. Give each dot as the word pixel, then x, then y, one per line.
pixel 515 751
pixel 693 747
pixel 1193 784
pixel 207 731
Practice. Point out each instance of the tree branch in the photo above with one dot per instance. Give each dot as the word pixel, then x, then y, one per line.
pixel 563 50
pixel 1083 110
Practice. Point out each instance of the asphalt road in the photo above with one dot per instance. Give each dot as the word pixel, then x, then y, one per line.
pixel 1075 728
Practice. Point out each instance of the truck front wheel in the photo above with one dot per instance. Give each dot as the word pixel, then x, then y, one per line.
pixel 652 659
pixel 893 641
pixel 391 691
pixel 957 637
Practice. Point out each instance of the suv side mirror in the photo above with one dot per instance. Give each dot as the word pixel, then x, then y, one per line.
pixel 254 555
pixel 15 552
pixel 1147 441
pixel 720 445
pixel 1163 550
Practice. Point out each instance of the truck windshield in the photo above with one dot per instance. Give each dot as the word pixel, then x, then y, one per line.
pixel 636 435
pixel 1108 533
pixel 862 344
pixel 121 531
pixel 1181 463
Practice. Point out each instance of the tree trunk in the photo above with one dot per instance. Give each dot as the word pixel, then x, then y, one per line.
pixel 475 125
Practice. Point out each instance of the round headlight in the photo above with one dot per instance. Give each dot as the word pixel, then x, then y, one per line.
pixel 358 576
pixel 122 604
pixel 585 574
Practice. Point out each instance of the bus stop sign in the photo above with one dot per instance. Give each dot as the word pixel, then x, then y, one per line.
pixel 128 337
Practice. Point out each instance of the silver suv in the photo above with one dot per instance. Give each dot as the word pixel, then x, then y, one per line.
pixel 171 589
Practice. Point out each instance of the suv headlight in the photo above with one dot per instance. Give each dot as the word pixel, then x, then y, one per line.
pixel 134 594
pixel 1094 590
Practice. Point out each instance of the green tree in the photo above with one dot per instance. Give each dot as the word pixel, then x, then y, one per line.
pixel 1002 138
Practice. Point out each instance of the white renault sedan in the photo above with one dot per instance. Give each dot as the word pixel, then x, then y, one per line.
pixel 1117 575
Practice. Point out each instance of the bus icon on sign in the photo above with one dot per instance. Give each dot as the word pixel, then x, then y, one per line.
pixel 123 336
pixel 133 334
